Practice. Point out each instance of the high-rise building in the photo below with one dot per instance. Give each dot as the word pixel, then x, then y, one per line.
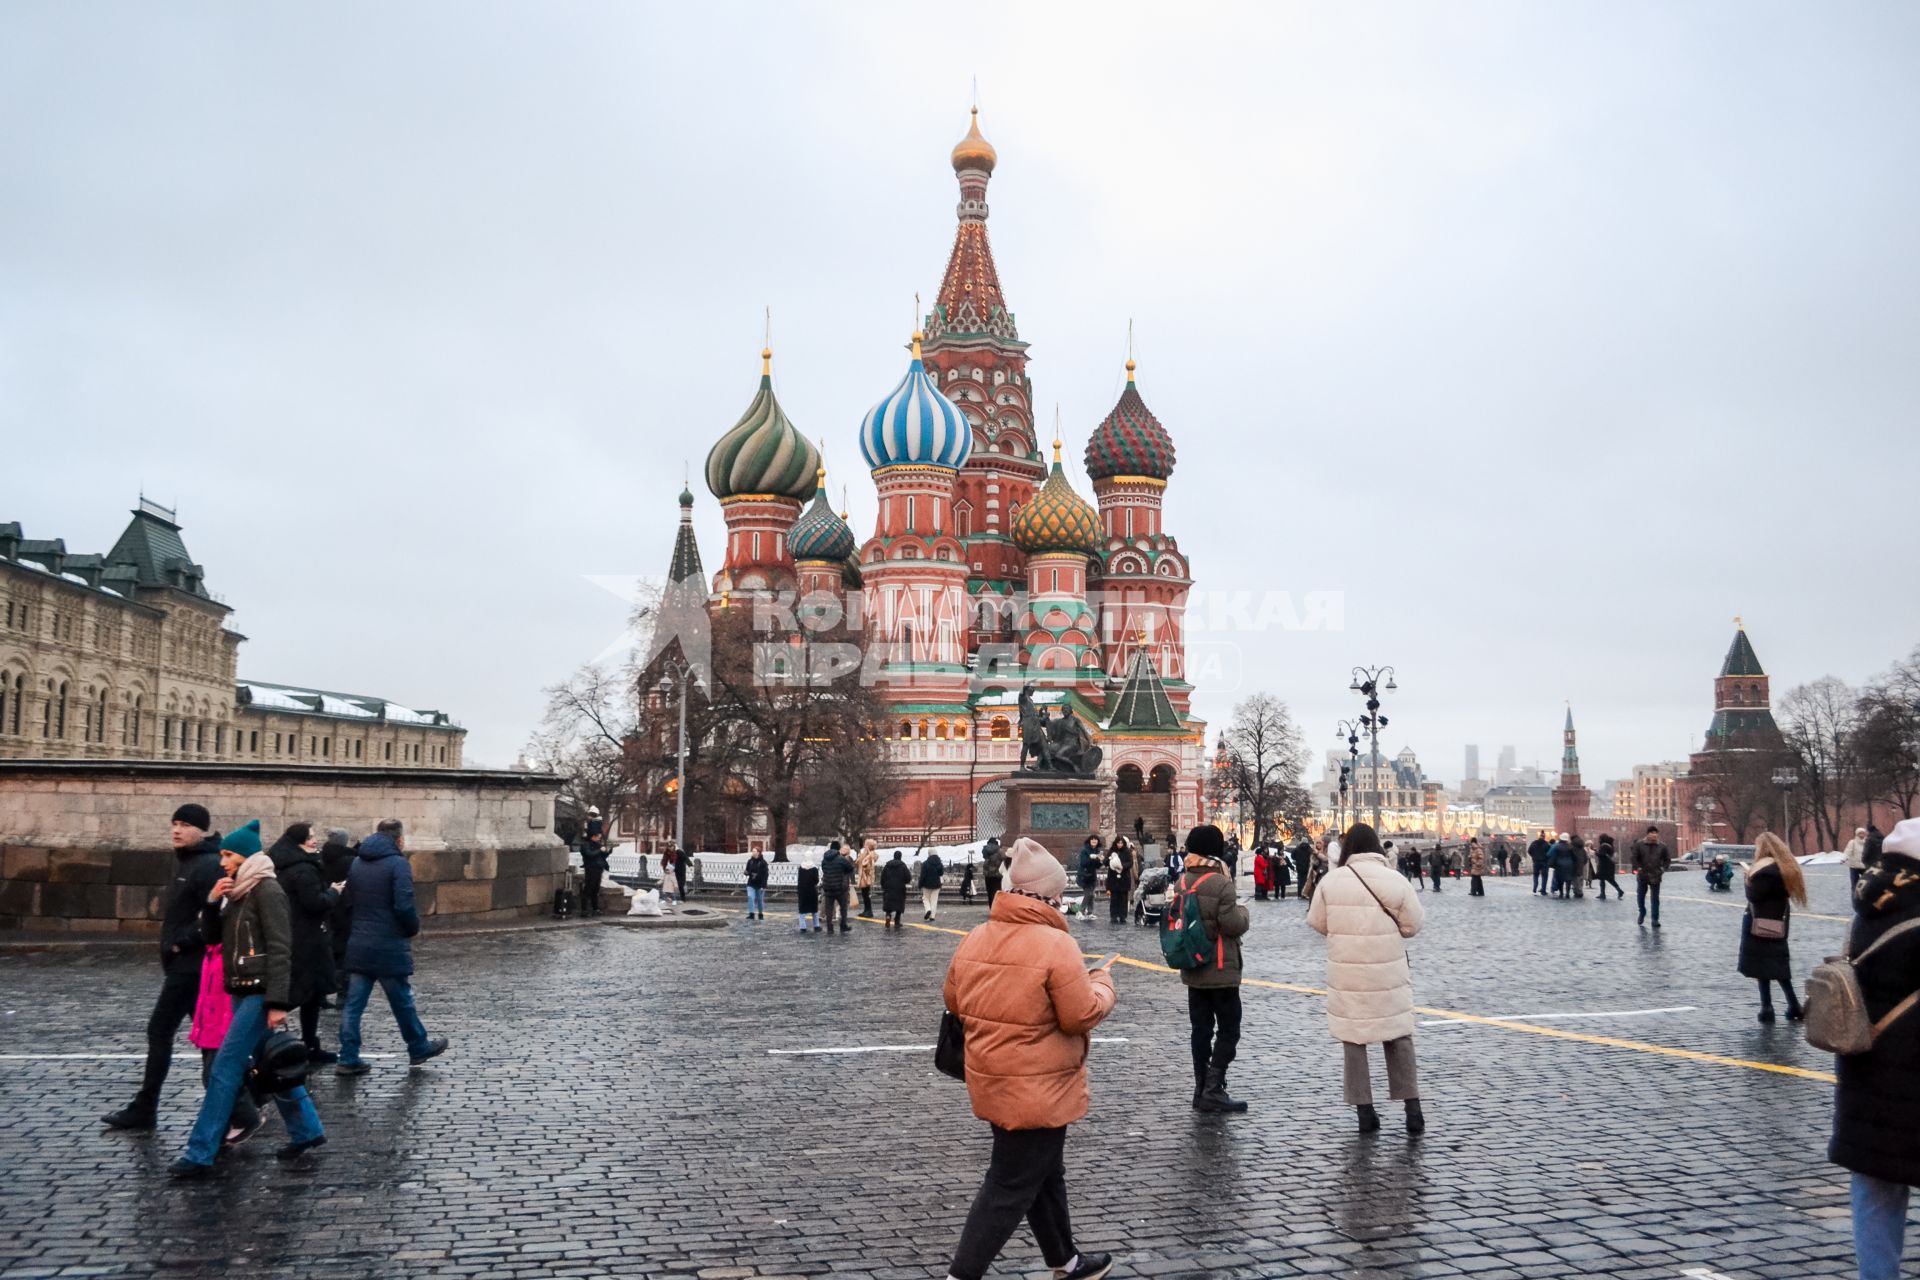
pixel 1472 773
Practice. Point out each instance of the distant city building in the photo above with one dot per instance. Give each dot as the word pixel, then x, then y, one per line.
pixel 1652 794
pixel 128 656
pixel 1527 803
pixel 1472 773
pixel 1503 772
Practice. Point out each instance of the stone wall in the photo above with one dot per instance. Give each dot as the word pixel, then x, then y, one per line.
pixel 84 849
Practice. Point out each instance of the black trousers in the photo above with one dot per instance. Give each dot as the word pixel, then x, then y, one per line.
pixel 590 893
pixel 179 992
pixel 1026 1178
pixel 1608 879
pixel 1540 879
pixel 310 1023
pixel 1117 904
pixel 866 903
pixel 1479 888
pixel 1436 882
pixel 993 887
pixel 1214 1013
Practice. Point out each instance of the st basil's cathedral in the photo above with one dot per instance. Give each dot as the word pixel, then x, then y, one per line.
pixel 985 569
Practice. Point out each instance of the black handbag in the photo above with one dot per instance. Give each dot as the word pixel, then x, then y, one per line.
pixel 950 1050
pixel 248 964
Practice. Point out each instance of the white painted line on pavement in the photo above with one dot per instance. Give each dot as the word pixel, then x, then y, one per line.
pixel 1561 1017
pixel 898 1048
pixel 1702 1273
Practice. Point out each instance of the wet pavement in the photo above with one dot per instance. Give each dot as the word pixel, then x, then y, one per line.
pixel 633 1103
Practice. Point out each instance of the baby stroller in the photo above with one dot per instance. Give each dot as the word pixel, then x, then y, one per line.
pixel 1150 903
pixel 1720 874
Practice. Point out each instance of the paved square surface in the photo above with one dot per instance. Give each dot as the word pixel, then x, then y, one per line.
pixel 613 1105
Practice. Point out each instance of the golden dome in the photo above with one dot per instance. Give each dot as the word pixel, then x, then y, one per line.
pixel 974 151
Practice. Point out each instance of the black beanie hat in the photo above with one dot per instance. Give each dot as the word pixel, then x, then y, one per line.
pixel 1206 841
pixel 194 815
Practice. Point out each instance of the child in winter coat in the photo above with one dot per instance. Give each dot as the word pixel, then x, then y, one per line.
pixel 212 1013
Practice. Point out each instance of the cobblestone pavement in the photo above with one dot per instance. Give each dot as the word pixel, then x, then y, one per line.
pixel 612 1106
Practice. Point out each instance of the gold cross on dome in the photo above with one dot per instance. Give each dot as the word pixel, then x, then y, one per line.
pixel 1738 624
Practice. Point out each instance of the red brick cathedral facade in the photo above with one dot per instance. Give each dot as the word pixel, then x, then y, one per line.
pixel 985 568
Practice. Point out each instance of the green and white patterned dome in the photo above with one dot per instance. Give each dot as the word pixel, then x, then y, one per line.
pixel 764 454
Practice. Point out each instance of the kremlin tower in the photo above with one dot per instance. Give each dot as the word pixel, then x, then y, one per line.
pixel 761 471
pixel 1571 801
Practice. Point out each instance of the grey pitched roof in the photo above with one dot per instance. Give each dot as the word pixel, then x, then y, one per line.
pixel 1143 701
pixel 152 545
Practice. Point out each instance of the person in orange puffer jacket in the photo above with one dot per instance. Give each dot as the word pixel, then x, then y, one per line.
pixel 1028 1005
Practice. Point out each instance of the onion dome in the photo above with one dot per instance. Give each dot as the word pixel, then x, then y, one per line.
pixel 916 425
pixel 763 454
pixel 1130 441
pixel 1057 518
pixel 974 151
pixel 819 534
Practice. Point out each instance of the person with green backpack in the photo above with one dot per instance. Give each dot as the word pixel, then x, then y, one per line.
pixel 1200 936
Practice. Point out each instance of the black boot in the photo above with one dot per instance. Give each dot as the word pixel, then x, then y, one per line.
pixel 1213 1094
pixel 1416 1118
pixel 1369 1118
pixel 1199 1085
pixel 136 1117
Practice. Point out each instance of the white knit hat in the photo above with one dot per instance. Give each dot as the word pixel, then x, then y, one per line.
pixel 1904 839
pixel 1032 868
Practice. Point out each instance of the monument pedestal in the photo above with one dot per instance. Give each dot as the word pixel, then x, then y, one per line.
pixel 1059 811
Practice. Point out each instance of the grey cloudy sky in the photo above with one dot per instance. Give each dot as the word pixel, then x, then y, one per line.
pixel 1553 336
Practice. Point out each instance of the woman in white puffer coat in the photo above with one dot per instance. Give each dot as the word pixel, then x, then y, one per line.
pixel 1368 911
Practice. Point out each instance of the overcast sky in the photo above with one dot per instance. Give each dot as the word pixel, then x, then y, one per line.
pixel 1551 336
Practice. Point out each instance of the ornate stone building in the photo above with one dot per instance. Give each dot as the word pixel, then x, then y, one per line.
pixel 128 656
pixel 985 568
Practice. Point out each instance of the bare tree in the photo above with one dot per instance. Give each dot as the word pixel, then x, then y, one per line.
pixel 1820 720
pixel 583 735
pixel 849 793
pixel 1888 736
pixel 1736 785
pixel 940 812
pixel 1267 760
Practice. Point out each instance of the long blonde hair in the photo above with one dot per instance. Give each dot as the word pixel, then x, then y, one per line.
pixel 1772 846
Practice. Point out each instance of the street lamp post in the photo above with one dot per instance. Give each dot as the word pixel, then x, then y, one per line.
pixel 678 673
pixel 1369 682
pixel 1785 780
pixel 1349 732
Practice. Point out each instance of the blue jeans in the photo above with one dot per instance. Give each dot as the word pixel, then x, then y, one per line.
pixel 1640 898
pixel 399 998
pixel 244 1034
pixel 1879 1226
pixel 756 900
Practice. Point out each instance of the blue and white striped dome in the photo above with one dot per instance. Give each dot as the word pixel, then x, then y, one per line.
pixel 916 425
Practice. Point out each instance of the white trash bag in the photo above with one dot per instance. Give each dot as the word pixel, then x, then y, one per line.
pixel 645 903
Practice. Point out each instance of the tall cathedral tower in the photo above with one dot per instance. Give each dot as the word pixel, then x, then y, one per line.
pixel 1143 579
pixel 974 353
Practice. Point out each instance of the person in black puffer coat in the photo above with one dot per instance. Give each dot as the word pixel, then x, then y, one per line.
pixel 1774 883
pixel 836 885
pixel 336 859
pixel 310 903
pixel 895 877
pixel 1876 1104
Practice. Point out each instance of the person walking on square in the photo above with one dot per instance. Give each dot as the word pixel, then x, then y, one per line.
pixel 246 912
pixel 1028 1004
pixel 336 859
pixel 196 868
pixel 1213 991
pixel 806 898
pixel 1436 864
pixel 865 868
pixel 668 856
pixel 756 877
pixel 1367 915
pixel 212 1015
pixel 1560 859
pixel 991 860
pixel 1277 871
pixel 894 879
pixel 1476 869
pixel 966 880
pixel 1774 883
pixel 1579 866
pixel 836 886
pixel 1876 1102
pixel 380 949
pixel 1856 857
pixel 1540 854
pixel 310 903
pixel 1607 869
pixel 931 869
pixel 680 869
pixel 1087 874
pixel 1651 858
pixel 1119 880
pixel 1260 874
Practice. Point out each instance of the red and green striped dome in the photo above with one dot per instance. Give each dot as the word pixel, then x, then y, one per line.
pixel 1130 441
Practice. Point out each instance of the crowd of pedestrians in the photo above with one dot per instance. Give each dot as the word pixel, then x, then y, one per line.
pixel 249 937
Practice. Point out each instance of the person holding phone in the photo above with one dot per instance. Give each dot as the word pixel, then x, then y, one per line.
pixel 1029 1008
